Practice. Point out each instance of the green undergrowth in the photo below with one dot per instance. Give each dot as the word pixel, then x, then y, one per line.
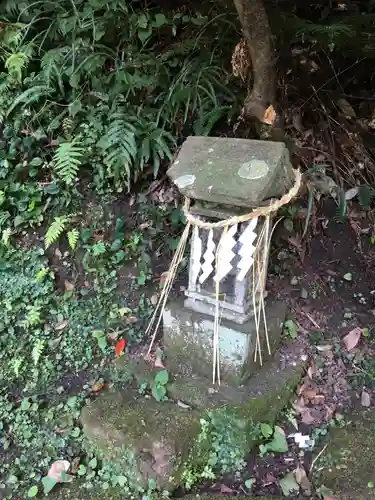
pixel 56 347
pixel 101 91
pixel 223 443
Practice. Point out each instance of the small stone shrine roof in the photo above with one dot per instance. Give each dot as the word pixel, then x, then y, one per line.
pixel 237 172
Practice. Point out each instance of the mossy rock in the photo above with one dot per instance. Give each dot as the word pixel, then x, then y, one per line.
pixel 153 440
pixel 264 395
pixel 148 439
pixel 348 463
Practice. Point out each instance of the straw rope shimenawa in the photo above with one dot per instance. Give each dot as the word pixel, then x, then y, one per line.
pixel 261 264
pixel 257 212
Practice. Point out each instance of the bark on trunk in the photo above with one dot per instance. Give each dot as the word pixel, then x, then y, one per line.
pixel 257 32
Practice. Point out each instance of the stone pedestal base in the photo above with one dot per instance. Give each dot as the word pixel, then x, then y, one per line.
pixel 149 440
pixel 188 337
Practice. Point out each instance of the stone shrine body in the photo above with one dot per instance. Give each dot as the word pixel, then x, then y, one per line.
pixel 225 178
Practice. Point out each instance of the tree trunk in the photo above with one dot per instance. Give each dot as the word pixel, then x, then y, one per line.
pixel 257 32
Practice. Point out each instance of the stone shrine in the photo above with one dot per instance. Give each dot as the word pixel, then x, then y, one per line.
pixel 225 177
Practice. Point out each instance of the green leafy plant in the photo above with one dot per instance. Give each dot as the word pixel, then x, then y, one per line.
pixel 220 448
pixel 101 339
pixel 277 443
pixel 67 160
pixel 65 78
pixel 59 227
pixel 73 236
pixel 290 329
pixel 159 385
pixel 55 230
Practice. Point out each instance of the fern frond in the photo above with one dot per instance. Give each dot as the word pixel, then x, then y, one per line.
pixel 52 65
pixel 67 160
pixel 11 34
pixel 330 30
pixel 15 64
pixel 40 275
pixel 55 230
pixel 73 236
pixel 29 96
pixel 67 126
pixel 16 364
pixel 37 351
pixel 4 216
pixel 119 145
pixel 156 145
pixel 33 316
pixel 5 236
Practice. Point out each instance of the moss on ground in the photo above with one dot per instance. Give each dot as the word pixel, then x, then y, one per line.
pixel 348 461
pixel 76 491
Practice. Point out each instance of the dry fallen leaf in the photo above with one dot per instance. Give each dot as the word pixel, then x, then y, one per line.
pixel 330 410
pixel 312 370
pixel 159 356
pixel 365 399
pixel 352 338
pixel 324 348
pixel 310 393
pixel 307 418
pixel 303 411
pixel 130 320
pixel 305 385
pixel 75 464
pixel 61 326
pixel 302 480
pixel 351 193
pixel 269 116
pixel 299 473
pixel 59 430
pixel 154 299
pixel 69 287
pixel 57 469
pixel 183 405
pixel 318 399
pixel 98 386
pixel 113 335
pixel 163 278
pixel 158 363
pixel 225 489
pixel 346 108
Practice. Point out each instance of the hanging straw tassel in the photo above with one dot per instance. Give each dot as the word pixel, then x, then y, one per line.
pixel 216 339
pixel 172 271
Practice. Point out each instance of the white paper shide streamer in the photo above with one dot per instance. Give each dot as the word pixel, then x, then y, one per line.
pixel 247 249
pixel 225 253
pixel 208 258
pixel 196 255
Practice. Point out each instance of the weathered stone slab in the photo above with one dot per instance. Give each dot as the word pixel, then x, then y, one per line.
pixel 149 439
pixel 157 440
pixel 266 393
pixel 188 341
pixel 239 172
pixel 347 465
